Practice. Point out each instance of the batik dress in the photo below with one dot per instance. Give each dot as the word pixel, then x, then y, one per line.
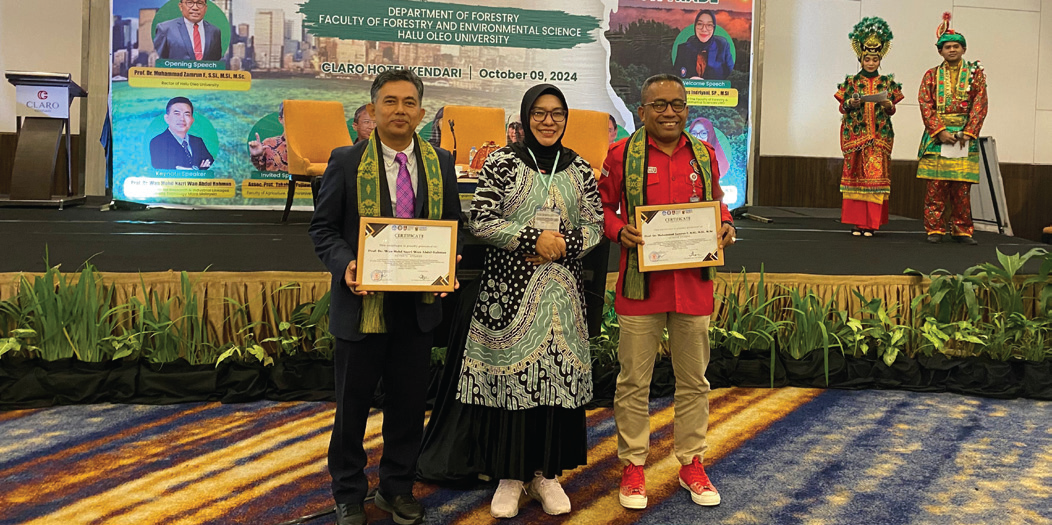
pixel 866 139
pixel 953 99
pixel 526 371
pixel 527 344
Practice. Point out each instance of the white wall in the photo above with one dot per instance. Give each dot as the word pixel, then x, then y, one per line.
pixel 808 53
pixel 39 35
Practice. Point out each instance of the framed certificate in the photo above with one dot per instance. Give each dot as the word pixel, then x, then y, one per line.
pixel 406 255
pixel 679 236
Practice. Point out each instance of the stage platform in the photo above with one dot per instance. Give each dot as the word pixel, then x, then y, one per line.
pixel 251 259
pixel 799 241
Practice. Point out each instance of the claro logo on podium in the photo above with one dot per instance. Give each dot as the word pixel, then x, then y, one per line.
pixel 42 101
pixel 42 104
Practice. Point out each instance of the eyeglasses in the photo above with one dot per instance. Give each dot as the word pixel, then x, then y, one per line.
pixel 539 115
pixel 660 106
pixel 706 26
pixel 195 3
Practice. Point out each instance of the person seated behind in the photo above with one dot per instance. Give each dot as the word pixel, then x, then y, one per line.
pixel 363 124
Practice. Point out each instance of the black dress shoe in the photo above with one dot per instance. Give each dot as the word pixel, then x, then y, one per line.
pixel 965 239
pixel 404 508
pixel 934 238
pixel 347 514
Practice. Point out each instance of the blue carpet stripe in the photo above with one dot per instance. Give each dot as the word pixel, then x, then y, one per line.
pixel 842 458
pixel 892 457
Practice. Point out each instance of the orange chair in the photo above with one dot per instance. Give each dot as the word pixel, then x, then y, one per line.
pixel 473 126
pixel 313 128
pixel 587 134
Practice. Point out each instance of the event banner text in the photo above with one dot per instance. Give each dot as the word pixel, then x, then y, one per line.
pixel 440 23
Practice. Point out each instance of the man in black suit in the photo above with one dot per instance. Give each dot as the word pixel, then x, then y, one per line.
pixel 189 37
pixel 174 148
pixel 401 355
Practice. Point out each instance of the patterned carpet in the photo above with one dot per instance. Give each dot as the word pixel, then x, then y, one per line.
pixel 779 456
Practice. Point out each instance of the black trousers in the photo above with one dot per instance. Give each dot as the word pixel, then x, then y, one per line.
pixel 401 358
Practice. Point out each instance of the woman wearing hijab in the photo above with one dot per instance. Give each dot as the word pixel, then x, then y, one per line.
pixel 526 365
pixel 705 54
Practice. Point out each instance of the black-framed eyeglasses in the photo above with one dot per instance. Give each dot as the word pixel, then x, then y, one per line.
pixel 660 106
pixel 195 3
pixel 539 115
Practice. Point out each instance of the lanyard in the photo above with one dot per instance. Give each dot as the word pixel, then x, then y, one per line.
pixel 547 185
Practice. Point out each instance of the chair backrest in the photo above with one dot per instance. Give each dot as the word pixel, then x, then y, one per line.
pixel 587 134
pixel 313 128
pixel 473 125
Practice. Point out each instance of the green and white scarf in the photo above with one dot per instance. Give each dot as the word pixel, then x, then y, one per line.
pixel 636 156
pixel 372 321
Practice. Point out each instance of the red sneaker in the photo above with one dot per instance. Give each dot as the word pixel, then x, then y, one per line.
pixel 633 488
pixel 693 478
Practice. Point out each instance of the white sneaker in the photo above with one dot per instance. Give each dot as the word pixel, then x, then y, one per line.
pixel 505 502
pixel 551 495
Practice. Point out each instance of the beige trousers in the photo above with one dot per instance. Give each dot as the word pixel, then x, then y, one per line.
pixel 689 345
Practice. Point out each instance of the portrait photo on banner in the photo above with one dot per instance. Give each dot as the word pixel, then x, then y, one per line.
pixel 710 51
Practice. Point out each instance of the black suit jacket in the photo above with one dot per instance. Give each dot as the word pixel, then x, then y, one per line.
pixel 334 229
pixel 173 42
pixel 167 154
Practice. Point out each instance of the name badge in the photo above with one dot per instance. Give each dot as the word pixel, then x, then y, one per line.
pixel 546 218
pixel 651 169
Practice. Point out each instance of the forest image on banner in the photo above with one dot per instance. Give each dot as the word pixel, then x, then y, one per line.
pixel 197 86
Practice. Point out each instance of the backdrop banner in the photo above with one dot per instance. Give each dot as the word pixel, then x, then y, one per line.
pixel 197 85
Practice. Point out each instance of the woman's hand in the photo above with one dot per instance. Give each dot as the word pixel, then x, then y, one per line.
pixel 538 260
pixel 551 245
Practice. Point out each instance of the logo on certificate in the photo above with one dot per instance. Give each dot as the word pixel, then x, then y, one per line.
pixel 378 275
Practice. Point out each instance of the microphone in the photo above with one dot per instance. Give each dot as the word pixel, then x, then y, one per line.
pixel 453 134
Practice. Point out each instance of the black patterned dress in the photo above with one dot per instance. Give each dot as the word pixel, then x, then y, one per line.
pixel 526 354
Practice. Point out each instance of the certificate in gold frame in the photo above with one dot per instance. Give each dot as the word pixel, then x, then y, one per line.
pixel 680 236
pixel 406 255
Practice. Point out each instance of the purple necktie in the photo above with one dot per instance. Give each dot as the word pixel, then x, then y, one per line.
pixel 405 201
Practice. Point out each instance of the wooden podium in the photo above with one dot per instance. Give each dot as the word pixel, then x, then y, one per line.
pixel 42 109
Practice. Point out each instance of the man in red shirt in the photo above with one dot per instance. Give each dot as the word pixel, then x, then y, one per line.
pixel 678 170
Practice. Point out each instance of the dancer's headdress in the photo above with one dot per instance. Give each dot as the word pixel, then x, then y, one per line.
pixel 944 34
pixel 871 36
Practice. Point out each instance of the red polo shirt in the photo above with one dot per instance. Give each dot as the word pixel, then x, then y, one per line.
pixel 668 182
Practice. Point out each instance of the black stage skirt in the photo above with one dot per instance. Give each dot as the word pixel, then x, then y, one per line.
pixel 463 441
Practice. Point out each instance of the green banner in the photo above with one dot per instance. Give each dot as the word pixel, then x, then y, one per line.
pixel 442 23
